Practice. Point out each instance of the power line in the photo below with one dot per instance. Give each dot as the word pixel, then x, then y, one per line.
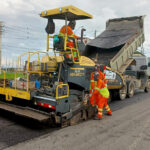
pixel 20 27
pixel 22 38
pixel 13 51
pixel 8 29
pixel 25 35
pixel 19 33
pixel 12 46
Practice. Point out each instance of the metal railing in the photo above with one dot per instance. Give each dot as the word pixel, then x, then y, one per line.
pixel 65 47
pixel 28 71
pixel 57 91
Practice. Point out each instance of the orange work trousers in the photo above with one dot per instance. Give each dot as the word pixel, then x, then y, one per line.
pixel 102 102
pixel 70 44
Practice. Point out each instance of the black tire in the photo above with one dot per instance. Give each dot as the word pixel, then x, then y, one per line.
pixel 122 93
pixel 147 88
pixel 114 95
pixel 130 89
pixel 75 95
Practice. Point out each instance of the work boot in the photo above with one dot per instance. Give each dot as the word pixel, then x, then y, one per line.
pixel 97 118
pixel 109 113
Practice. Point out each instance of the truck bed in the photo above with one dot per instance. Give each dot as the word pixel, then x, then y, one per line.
pixel 117 43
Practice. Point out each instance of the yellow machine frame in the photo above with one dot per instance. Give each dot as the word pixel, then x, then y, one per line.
pixel 10 93
pixel 66 13
pixel 71 11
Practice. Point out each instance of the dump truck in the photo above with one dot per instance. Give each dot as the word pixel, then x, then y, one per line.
pixel 115 48
pixel 51 88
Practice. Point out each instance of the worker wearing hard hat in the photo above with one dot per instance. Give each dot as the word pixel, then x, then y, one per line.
pixel 101 95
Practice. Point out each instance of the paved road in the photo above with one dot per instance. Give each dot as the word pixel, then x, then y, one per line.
pixel 15 129
pixel 127 129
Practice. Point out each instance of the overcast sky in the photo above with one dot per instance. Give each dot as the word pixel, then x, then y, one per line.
pixel 24 29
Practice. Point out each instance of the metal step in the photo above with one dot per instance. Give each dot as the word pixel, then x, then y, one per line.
pixel 23 111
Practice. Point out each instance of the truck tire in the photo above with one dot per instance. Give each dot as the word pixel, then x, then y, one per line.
pixel 122 93
pixel 147 88
pixel 130 89
pixel 114 95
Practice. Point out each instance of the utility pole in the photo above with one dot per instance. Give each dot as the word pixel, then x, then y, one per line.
pixel 0 46
pixel 6 64
pixel 95 33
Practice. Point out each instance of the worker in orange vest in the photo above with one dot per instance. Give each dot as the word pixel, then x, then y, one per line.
pixel 70 28
pixel 101 95
pixel 101 68
pixel 93 83
pixel 70 42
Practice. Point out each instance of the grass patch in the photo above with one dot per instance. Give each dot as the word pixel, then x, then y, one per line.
pixel 11 75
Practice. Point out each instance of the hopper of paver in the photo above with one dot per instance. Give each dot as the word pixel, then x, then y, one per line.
pixel 115 46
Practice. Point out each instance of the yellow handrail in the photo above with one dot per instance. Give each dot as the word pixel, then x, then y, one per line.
pixel 60 86
pixel 30 53
pixel 66 47
pixel 48 41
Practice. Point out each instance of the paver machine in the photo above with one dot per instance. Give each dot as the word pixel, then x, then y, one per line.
pixel 52 87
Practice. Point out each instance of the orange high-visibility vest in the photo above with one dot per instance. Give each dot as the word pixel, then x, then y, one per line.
pixel 101 89
pixel 102 76
pixel 92 82
pixel 92 87
pixel 69 31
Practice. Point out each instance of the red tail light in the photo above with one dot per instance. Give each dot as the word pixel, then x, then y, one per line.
pixel 46 105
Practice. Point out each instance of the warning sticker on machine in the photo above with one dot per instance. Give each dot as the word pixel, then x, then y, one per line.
pixel 110 75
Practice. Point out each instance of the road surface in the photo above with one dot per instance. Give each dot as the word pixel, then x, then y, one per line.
pixel 127 129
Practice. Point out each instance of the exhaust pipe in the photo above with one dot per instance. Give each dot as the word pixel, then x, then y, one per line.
pixel 82 33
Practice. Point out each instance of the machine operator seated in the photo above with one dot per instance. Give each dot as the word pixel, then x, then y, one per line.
pixel 70 40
